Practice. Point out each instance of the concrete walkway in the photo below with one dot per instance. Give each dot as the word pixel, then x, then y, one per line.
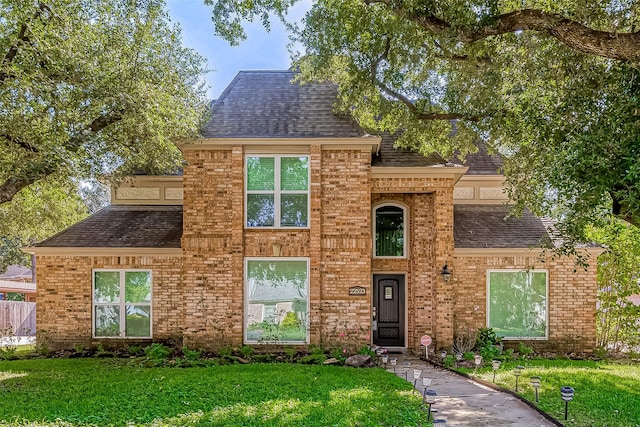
pixel 463 402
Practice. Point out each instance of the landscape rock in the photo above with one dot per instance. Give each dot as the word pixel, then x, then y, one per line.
pixel 359 361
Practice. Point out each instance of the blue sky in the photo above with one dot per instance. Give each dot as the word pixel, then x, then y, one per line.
pixel 261 50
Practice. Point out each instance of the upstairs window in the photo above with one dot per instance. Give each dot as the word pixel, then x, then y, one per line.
pixel 277 191
pixel 389 231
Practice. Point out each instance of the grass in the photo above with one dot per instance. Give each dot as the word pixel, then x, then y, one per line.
pixel 105 392
pixel 606 394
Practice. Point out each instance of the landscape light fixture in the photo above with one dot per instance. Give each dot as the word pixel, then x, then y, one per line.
pixel 416 375
pixel 517 371
pixel 496 365
pixel 477 359
pixel 385 359
pixel 394 361
pixel 535 383
pixel 407 366
pixel 567 395
pixel 446 273
pixel 430 399
pixel 443 355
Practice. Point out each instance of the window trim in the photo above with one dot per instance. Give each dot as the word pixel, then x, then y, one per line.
pixel 405 221
pixel 547 308
pixel 246 299
pixel 122 304
pixel 277 192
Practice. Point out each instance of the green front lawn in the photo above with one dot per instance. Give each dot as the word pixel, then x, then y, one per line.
pixel 606 394
pixel 81 392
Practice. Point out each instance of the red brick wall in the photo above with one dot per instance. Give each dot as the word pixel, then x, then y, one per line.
pixel 571 304
pixel 345 243
pixel 63 314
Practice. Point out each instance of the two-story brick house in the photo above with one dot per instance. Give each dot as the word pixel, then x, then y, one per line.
pixel 290 224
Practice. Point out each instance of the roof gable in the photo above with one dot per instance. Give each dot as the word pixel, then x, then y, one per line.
pixel 267 104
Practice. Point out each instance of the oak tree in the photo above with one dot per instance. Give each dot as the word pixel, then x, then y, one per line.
pixel 88 87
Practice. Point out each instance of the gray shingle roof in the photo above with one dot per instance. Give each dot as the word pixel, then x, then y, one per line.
pixel 482 163
pixel 389 156
pixel 124 226
pixel 267 104
pixel 484 226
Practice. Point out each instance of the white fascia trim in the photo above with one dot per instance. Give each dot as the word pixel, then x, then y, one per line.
pixel 368 142
pixel 455 172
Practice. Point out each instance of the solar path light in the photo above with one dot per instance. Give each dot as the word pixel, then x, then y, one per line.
pixel 495 364
pixel 478 360
pixel 429 399
pixel 535 383
pixel 567 395
pixel 517 371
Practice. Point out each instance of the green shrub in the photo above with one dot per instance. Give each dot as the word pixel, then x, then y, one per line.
pixel 157 352
pixel 468 355
pixel 449 361
pixel 365 349
pixel 247 351
pixel 313 359
pixel 487 337
pixel 524 350
pixel 489 352
pixel 191 355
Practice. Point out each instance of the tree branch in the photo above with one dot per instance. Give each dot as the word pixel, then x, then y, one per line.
pixel 36 172
pixel 613 45
pixel 12 186
pixel 20 143
pixel 420 115
pixel 21 38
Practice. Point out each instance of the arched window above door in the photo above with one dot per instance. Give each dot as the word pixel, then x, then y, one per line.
pixel 389 231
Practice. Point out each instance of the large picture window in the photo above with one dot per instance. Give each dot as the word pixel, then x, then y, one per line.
pixel 517 304
pixel 389 231
pixel 277 301
pixel 277 191
pixel 122 303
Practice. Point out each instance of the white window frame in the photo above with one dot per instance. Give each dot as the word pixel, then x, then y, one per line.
pixel 246 298
pixel 277 192
pixel 404 230
pixel 122 304
pixel 547 309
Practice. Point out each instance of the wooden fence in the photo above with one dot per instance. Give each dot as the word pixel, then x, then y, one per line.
pixel 19 316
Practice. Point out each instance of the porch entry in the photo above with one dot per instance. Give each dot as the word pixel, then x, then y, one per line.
pixel 389 310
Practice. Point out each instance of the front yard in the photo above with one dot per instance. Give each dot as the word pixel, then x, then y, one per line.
pixel 102 392
pixel 606 394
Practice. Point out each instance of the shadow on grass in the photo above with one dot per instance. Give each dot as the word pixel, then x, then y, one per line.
pixel 110 392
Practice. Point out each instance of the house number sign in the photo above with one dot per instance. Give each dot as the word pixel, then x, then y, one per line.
pixel 357 290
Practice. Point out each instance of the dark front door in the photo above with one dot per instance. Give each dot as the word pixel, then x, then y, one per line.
pixel 388 309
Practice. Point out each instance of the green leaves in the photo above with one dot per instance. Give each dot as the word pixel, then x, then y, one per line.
pixel 92 86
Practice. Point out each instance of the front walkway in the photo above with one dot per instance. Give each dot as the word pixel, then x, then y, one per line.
pixel 463 402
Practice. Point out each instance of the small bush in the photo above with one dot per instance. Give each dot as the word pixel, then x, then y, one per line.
pixel 524 350
pixel 313 359
pixel 247 351
pixel 157 352
pixel 487 337
pixel 469 355
pixel 449 361
pixel 191 355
